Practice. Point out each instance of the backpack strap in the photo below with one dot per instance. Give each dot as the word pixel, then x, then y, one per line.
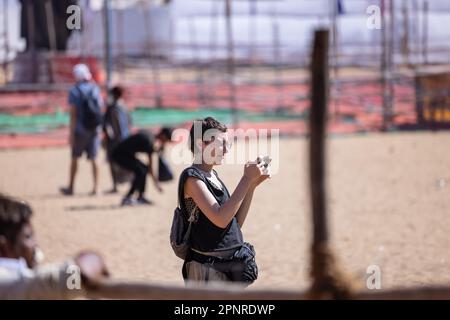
pixel 181 183
pixel 200 175
pixel 84 96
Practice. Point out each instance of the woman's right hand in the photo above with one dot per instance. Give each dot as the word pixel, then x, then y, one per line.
pixel 253 171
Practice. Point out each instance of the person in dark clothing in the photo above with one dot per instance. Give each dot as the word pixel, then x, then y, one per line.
pixel 217 215
pixel 116 127
pixel 124 154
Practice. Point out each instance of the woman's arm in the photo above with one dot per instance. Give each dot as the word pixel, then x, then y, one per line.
pixel 222 215
pixel 219 215
pixel 245 206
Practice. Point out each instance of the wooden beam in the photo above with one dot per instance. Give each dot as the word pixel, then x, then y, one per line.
pixel 110 289
pixel 212 291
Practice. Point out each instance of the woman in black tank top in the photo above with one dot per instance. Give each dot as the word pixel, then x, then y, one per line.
pixel 217 215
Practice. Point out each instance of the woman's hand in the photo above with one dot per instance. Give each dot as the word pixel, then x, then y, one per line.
pixel 253 171
pixel 261 179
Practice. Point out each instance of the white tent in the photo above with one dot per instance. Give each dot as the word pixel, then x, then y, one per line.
pixel 195 29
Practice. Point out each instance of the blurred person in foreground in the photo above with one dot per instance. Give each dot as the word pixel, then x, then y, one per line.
pixel 21 275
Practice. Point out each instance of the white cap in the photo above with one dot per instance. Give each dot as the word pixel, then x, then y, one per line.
pixel 81 72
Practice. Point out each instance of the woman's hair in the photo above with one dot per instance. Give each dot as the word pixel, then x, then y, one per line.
pixel 117 92
pixel 14 214
pixel 206 124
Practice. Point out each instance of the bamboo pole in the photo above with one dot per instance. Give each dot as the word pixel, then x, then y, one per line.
pixel 31 45
pixel 201 92
pixel 212 291
pixel 334 37
pixel 405 38
pixel 253 39
pixel 50 25
pixel 212 46
pixel 385 66
pixel 6 38
pixel 120 39
pixel 108 46
pixel 153 65
pixel 278 72
pixel 51 35
pixel 425 32
pixel 110 289
pixel 230 62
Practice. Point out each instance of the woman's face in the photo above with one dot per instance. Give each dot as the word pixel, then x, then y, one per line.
pixel 24 246
pixel 215 150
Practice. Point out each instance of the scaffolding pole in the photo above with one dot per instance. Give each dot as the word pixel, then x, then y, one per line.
pixel 277 63
pixel 6 39
pixel 108 46
pixel 120 37
pixel 334 48
pixel 425 32
pixel 31 46
pixel 230 62
pixel 51 35
pixel 155 69
pixel 385 66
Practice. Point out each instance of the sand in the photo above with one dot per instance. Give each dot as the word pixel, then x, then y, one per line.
pixel 388 204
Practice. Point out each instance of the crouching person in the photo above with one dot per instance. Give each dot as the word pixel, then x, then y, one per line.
pixel 21 276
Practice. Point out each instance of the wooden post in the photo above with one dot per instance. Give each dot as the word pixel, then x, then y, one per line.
pixel 385 67
pixel 415 25
pixel 121 44
pixel 319 103
pixel 213 52
pixel 278 72
pixel 155 69
pixel 230 62
pixel 51 35
pixel 6 36
pixel 405 38
pixel 111 289
pixel 327 282
pixel 253 42
pixel 335 52
pixel 391 63
pixel 425 32
pixel 50 25
pixel 108 46
pixel 31 45
pixel 201 92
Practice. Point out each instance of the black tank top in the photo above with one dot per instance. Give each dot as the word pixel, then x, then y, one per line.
pixel 205 235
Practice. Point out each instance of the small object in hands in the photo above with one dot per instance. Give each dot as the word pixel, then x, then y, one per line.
pixel 266 160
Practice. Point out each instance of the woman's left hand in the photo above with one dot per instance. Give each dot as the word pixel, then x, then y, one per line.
pixel 261 179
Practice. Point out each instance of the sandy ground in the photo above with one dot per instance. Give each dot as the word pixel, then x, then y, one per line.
pixel 389 200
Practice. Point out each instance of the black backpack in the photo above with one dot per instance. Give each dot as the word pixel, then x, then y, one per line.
pixel 92 113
